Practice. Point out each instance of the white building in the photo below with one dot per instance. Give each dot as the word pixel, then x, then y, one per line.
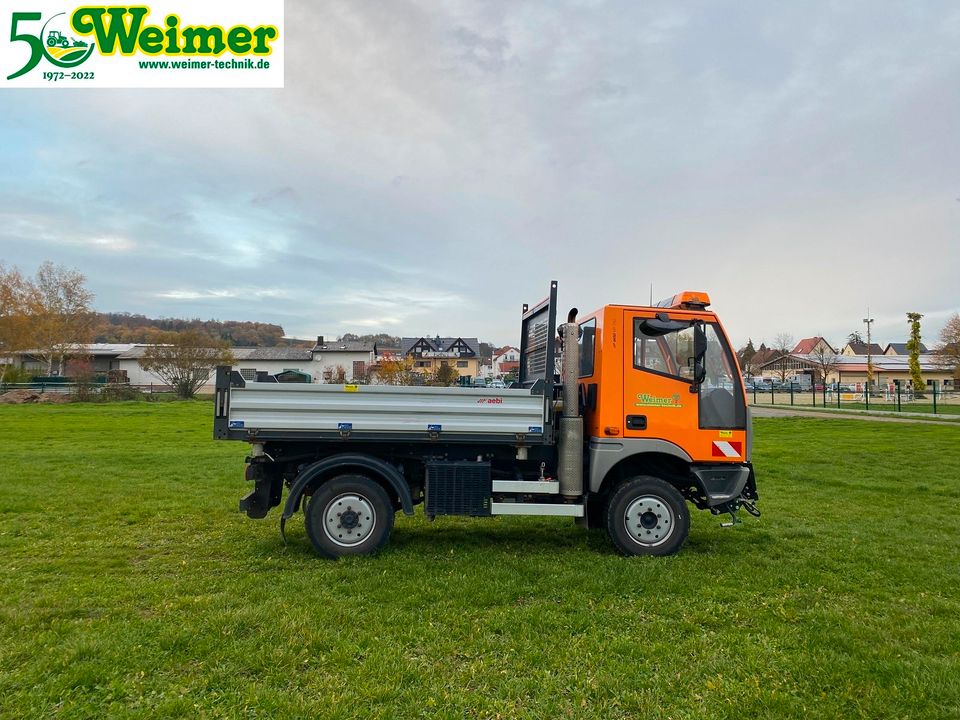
pixel 320 363
pixel 505 360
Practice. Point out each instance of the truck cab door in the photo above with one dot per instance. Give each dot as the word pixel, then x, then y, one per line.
pixel 680 385
pixel 660 398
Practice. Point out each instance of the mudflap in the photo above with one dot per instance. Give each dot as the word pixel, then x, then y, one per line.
pixel 266 493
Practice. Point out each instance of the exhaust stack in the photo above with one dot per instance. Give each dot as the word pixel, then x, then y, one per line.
pixel 570 450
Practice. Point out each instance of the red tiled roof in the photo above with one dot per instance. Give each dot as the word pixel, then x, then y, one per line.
pixel 806 346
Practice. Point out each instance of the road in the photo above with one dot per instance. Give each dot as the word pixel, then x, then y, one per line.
pixel 763 411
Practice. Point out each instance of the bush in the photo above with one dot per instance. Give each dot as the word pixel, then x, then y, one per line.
pixel 14 375
pixel 115 393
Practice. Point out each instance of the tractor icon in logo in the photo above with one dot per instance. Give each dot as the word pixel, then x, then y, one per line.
pixel 55 37
pixel 62 49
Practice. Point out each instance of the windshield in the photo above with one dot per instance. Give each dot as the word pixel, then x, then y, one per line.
pixel 721 395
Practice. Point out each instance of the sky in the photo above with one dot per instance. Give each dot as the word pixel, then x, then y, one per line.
pixel 430 166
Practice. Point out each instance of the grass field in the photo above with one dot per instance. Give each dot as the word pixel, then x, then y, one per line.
pixel 132 587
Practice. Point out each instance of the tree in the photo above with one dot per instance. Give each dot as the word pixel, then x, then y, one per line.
pixel 335 375
pixel 186 360
pixel 783 344
pixel 398 371
pixel 824 361
pixel 60 313
pixel 913 346
pixel 445 376
pixel 16 299
pixel 745 357
pixel 948 351
pixel 855 338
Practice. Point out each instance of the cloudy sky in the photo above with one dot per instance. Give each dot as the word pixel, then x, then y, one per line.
pixel 430 166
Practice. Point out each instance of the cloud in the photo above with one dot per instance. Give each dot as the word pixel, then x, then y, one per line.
pixel 433 166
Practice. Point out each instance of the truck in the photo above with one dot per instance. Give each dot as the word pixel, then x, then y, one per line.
pixel 622 420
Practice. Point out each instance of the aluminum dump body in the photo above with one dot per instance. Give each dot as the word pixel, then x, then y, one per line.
pixel 276 410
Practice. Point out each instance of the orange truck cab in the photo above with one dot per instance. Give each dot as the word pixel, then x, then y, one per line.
pixel 662 396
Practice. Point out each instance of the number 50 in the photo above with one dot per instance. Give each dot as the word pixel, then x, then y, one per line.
pixel 36 46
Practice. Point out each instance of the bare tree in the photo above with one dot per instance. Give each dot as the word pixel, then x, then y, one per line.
pixel 783 344
pixel 855 338
pixel 947 354
pixel 825 361
pixel 186 360
pixel 335 375
pixel 60 313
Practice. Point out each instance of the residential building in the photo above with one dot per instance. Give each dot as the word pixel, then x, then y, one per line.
pixel 861 349
pixel 852 369
pixel 354 356
pixel 429 354
pixel 320 363
pixel 813 345
pixel 506 360
pixel 901 349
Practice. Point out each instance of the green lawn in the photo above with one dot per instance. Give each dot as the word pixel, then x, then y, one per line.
pixel 131 586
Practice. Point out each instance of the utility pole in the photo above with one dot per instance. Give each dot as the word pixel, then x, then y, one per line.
pixel 869 321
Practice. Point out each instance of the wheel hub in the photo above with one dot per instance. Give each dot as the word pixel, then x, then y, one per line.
pixel 649 520
pixel 348 519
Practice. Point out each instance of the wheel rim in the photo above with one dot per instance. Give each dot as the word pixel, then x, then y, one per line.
pixel 349 519
pixel 649 521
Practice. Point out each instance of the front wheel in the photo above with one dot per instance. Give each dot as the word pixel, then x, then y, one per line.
pixel 349 515
pixel 647 516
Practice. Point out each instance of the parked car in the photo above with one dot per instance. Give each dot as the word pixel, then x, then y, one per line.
pixel 478 382
pixel 497 384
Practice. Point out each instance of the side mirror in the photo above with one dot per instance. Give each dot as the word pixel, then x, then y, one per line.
pixel 699 355
pixel 699 341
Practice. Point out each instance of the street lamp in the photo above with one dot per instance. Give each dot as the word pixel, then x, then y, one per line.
pixel 869 321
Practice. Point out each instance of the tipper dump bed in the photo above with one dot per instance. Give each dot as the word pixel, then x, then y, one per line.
pixel 275 411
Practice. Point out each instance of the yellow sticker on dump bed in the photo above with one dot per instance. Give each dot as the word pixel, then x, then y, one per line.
pixel 726 433
pixel 351 388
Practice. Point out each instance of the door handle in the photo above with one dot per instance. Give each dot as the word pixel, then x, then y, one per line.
pixel 636 422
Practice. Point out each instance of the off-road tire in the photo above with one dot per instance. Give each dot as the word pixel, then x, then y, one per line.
pixel 656 513
pixel 339 515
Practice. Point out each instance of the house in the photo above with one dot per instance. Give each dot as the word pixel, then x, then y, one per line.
pixel 861 349
pixel 901 349
pixel 506 360
pixel 852 369
pixel 763 359
pixel 812 346
pixel 319 363
pixel 429 354
pixel 248 361
pixel 354 356
pixel 103 358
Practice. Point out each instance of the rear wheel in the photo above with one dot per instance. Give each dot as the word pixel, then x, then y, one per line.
pixel 349 515
pixel 647 516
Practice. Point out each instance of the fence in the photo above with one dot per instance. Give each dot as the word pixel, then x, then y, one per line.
pixel 53 386
pixel 891 398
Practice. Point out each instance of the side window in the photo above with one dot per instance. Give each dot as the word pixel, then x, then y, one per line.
pixel 667 354
pixel 588 338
